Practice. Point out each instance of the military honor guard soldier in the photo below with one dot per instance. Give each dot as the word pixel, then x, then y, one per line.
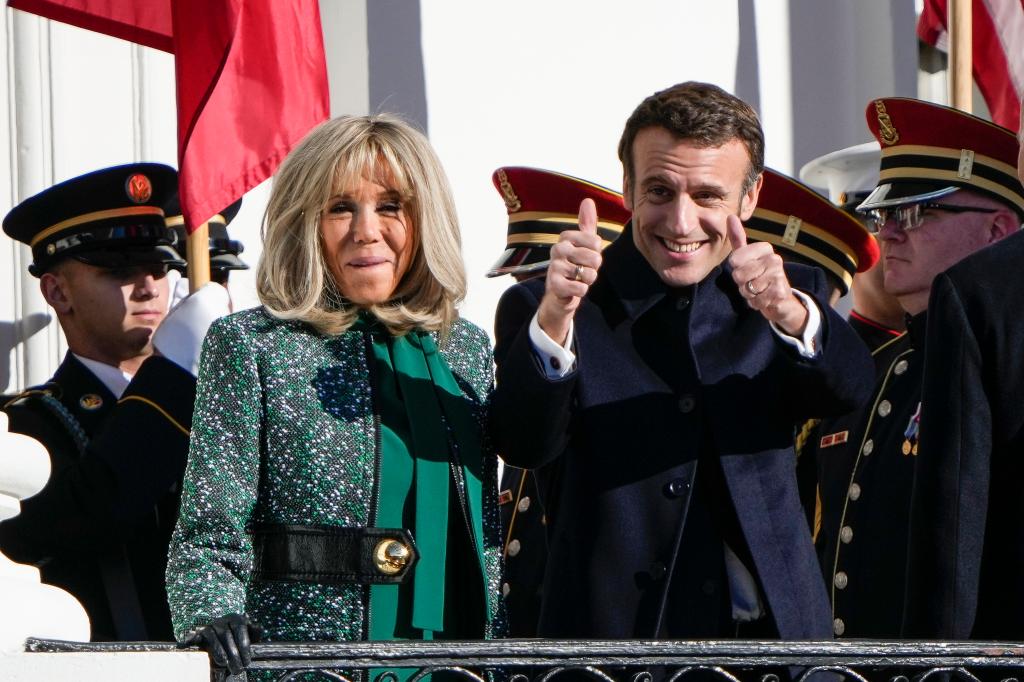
pixel 946 189
pixel 966 524
pixel 805 227
pixel 115 417
pixel 540 204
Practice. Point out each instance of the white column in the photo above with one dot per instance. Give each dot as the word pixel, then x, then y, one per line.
pixel 32 608
pixel 38 351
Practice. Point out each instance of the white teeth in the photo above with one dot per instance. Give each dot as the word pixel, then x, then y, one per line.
pixel 689 247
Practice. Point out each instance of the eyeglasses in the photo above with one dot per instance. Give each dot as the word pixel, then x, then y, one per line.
pixel 911 216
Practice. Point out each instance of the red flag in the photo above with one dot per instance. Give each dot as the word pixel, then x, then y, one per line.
pixel 146 22
pixel 251 82
pixel 998 51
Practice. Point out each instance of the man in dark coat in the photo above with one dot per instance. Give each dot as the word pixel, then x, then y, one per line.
pixel 943 194
pixel 668 383
pixel 967 529
pixel 114 418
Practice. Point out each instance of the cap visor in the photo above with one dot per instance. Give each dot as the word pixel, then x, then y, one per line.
pixel 126 258
pixel 898 193
pixel 228 261
pixel 521 259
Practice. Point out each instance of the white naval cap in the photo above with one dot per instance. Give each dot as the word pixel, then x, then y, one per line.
pixel 849 174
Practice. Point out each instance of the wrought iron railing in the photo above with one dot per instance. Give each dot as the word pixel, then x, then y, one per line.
pixel 616 661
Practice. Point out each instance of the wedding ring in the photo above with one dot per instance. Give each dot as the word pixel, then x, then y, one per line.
pixel 577 272
pixel 750 288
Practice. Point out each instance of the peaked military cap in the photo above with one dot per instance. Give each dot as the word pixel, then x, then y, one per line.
pixel 541 205
pixel 794 218
pixel 223 250
pixel 110 218
pixel 849 174
pixel 929 151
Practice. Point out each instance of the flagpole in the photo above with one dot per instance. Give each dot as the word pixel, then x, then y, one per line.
pixel 198 246
pixel 961 84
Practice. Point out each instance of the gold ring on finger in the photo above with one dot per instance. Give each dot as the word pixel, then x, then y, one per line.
pixel 577 272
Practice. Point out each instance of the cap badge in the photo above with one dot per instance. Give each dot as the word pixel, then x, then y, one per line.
pixel 886 129
pixel 51 249
pixel 966 166
pixel 90 401
pixel 512 202
pixel 793 226
pixel 139 188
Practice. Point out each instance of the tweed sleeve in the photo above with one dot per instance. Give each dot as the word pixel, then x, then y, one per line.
pixel 210 556
pixel 471 359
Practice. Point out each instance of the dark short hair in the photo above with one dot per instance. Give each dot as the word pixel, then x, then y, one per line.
pixel 701 113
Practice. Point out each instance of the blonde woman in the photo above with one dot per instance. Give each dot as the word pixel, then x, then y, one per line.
pixel 338 485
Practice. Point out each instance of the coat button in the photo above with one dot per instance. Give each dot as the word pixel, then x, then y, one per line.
pixel 555 364
pixel 708 587
pixel 682 302
pixel 841 580
pixel 869 447
pixel 901 367
pixel 505 589
pixel 838 627
pixel 854 491
pixel 524 504
pixel 513 547
pixel 846 534
pixel 658 570
pixel 687 403
pixel 677 488
pixel 884 408
pixel 391 556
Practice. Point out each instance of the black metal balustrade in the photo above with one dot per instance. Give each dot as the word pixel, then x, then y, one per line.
pixel 616 661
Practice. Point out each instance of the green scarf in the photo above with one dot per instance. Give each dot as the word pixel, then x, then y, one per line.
pixel 425 422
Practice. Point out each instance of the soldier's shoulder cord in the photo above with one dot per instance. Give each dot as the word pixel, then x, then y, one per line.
pixel 44 395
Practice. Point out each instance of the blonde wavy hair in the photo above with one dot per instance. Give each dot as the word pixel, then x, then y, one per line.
pixel 293 279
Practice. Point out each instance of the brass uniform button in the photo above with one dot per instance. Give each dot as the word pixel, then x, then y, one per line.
pixel 390 556
pixel 869 447
pixel 884 408
pixel 838 627
pixel 846 534
pixel 901 367
pixel 854 492
pixel 524 504
pixel 841 580
pixel 514 547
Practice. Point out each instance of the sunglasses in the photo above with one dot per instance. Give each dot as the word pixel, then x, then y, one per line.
pixel 911 216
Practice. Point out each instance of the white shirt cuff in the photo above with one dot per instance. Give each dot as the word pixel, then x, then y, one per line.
pixel 808 344
pixel 556 360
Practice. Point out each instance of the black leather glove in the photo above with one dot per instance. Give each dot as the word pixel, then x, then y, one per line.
pixel 227 639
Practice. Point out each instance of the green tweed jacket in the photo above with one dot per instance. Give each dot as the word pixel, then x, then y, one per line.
pixel 284 432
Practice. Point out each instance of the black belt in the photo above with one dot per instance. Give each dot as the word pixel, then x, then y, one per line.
pixel 332 554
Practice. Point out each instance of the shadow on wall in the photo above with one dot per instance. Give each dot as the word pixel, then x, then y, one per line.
pixel 13 333
pixel 843 55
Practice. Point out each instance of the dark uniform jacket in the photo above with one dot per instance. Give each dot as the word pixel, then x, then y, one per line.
pixel 967 518
pixel 101 526
pixel 664 380
pixel 527 501
pixel 865 470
